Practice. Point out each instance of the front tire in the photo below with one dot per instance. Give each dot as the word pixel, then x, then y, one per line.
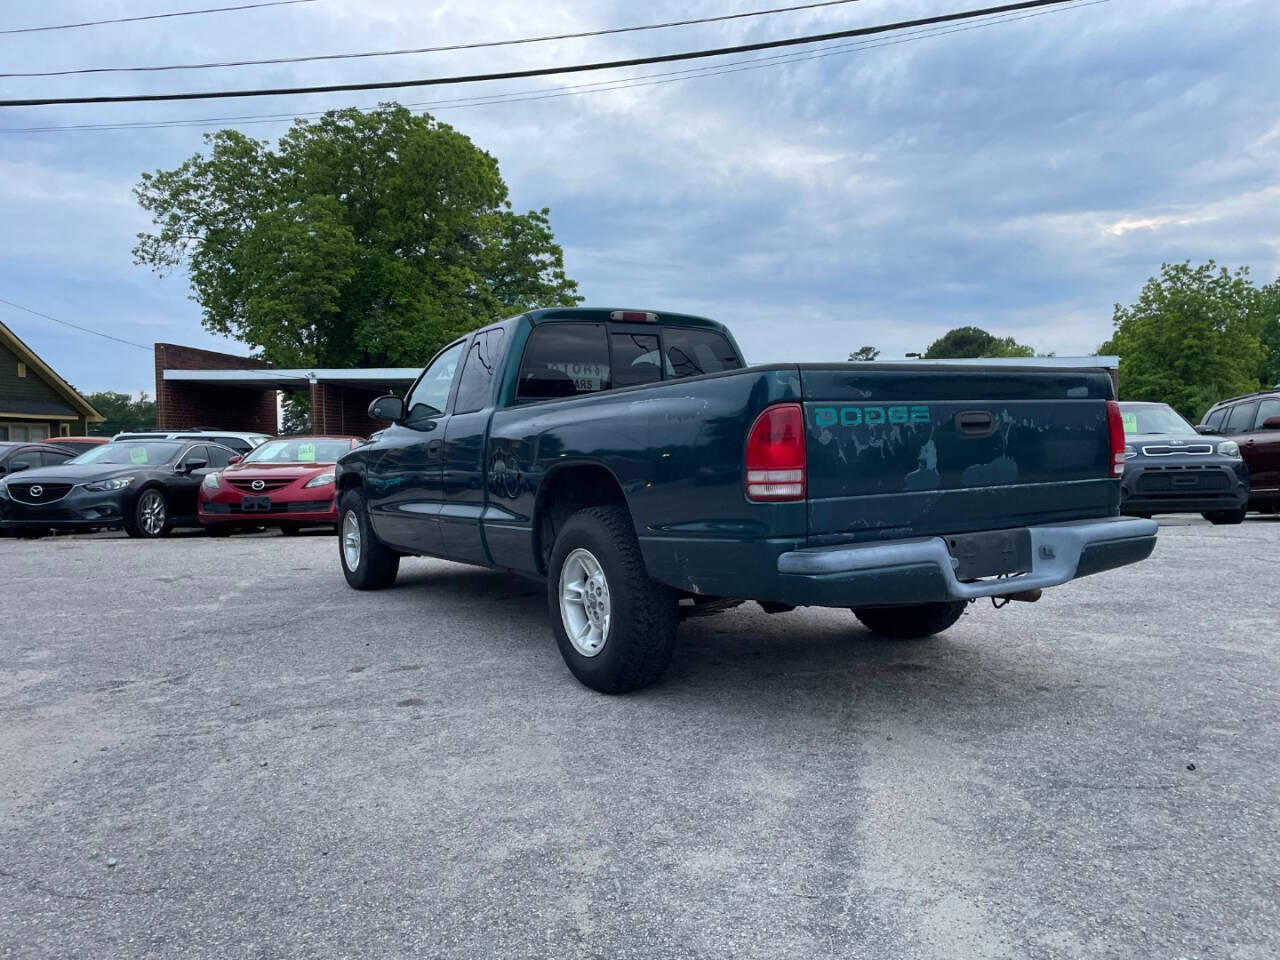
pixel 149 518
pixel 913 622
pixel 615 627
pixel 1220 517
pixel 367 563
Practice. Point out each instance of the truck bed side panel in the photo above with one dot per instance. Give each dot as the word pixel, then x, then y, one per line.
pixel 676 449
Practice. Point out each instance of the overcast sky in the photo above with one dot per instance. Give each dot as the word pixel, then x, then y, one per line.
pixel 1023 176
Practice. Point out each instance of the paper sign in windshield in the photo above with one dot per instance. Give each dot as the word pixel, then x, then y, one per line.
pixel 1130 421
pixel 307 452
pixel 138 454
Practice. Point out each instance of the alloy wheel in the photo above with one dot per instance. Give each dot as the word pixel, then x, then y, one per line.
pixel 151 513
pixel 351 540
pixel 585 605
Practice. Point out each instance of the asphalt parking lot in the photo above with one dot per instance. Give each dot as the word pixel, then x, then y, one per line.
pixel 213 748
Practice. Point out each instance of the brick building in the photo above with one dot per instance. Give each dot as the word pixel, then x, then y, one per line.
pixel 204 388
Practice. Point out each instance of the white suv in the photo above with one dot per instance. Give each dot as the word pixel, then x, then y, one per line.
pixel 241 443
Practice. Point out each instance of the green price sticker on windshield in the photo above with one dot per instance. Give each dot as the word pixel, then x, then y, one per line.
pixel 1130 421
pixel 138 454
pixel 307 452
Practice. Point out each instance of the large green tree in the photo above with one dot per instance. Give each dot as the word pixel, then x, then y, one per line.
pixel 968 342
pixel 360 239
pixel 122 412
pixel 1194 336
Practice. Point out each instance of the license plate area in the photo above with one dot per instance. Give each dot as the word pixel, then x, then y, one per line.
pixel 256 504
pixel 991 553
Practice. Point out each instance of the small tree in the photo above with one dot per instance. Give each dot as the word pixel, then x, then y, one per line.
pixel 1193 337
pixel 864 354
pixel 969 342
pixel 122 412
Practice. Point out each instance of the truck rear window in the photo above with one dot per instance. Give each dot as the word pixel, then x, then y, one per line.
pixel 693 352
pixel 564 360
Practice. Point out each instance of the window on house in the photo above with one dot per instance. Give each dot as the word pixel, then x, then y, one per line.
pixel 22 369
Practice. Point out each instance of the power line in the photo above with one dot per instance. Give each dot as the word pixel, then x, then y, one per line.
pixel 598 86
pixel 74 326
pixel 541 71
pixel 441 49
pixel 156 16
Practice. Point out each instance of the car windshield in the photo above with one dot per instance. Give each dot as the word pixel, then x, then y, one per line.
pixel 1157 418
pixel 138 452
pixel 299 450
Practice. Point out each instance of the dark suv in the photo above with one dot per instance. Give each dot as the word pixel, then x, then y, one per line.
pixel 1253 422
pixel 1169 468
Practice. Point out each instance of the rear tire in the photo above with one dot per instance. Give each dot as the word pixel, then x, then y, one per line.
pixel 624 623
pixel 1220 517
pixel 913 622
pixel 367 563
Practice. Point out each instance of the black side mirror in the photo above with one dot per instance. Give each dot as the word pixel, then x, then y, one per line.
pixel 1206 430
pixel 190 466
pixel 387 408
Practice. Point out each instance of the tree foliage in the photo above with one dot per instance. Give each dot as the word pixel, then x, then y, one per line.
pixel 360 239
pixel 864 354
pixel 122 412
pixel 1194 336
pixel 967 342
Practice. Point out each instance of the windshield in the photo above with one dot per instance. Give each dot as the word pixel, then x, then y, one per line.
pixel 1157 418
pixel 136 452
pixel 299 450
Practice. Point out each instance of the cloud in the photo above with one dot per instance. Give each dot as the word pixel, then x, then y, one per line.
pixel 1023 176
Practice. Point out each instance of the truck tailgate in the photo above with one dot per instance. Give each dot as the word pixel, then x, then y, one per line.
pixel 913 450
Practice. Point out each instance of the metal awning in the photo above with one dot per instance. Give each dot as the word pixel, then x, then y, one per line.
pixel 299 379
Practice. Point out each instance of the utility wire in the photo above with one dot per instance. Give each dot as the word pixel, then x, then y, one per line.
pixel 454 46
pixel 153 16
pixel 598 86
pixel 74 326
pixel 541 71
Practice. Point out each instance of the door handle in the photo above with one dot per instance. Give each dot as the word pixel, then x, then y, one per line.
pixel 976 423
pixel 433 448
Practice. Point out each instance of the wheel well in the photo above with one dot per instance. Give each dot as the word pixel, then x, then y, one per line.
pixel 348 481
pixel 564 492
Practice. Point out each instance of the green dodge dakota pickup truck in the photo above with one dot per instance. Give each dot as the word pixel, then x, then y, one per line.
pixel 633 462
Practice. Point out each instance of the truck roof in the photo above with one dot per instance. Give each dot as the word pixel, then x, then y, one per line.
pixel 623 314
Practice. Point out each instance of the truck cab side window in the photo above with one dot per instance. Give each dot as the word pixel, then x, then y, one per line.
pixel 484 359
pixel 430 394
pixel 564 360
pixel 694 352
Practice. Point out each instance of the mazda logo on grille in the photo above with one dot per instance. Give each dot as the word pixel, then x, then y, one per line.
pixel 257 484
pixel 36 490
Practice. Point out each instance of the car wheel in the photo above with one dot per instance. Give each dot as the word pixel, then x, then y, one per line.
pixel 615 627
pixel 367 563
pixel 150 516
pixel 911 623
pixel 1221 517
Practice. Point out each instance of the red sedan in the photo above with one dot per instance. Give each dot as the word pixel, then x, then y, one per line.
pixel 285 483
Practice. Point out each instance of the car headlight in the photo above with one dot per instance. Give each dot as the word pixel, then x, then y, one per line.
pixel 115 483
pixel 1130 451
pixel 324 480
pixel 1229 448
pixel 210 481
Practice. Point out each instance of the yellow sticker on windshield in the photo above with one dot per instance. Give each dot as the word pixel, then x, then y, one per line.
pixel 138 454
pixel 307 452
pixel 1130 421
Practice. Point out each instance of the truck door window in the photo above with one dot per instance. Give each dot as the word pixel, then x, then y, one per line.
pixel 1240 420
pixel 637 359
pixel 484 359
pixel 564 360
pixel 1268 409
pixel 430 394
pixel 693 352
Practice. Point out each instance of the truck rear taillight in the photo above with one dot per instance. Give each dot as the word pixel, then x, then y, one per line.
pixel 1115 427
pixel 775 455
